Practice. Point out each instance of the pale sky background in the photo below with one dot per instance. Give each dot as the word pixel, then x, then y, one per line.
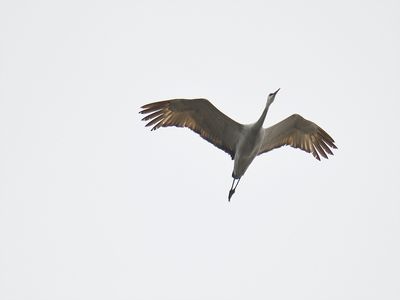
pixel 95 206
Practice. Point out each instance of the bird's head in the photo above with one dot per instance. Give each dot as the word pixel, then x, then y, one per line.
pixel 271 97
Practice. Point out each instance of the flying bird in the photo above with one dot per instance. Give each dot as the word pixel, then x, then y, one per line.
pixel 242 142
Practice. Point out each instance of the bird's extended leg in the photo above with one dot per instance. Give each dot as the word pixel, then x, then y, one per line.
pixel 232 190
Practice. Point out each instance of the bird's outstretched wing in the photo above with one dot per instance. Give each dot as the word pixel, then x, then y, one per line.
pixel 299 133
pixel 200 116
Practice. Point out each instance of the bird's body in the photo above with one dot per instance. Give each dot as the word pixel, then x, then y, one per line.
pixel 242 142
pixel 247 149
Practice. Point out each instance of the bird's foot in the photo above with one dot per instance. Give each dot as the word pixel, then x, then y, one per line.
pixel 231 192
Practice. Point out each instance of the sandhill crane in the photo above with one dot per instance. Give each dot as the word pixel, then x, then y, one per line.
pixel 242 142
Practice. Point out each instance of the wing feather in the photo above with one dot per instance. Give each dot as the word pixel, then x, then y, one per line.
pixel 198 115
pixel 298 132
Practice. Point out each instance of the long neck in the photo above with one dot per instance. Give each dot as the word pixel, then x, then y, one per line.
pixel 260 121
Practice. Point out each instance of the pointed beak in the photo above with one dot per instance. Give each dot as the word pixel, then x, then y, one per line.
pixel 277 91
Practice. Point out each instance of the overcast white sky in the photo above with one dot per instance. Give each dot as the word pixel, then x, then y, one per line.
pixel 95 206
